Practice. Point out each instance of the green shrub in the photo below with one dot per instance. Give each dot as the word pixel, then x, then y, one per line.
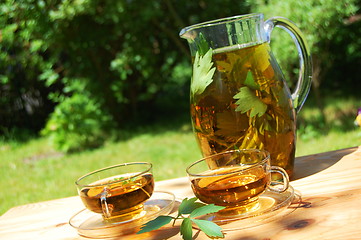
pixel 103 64
pixel 78 123
pixel 127 54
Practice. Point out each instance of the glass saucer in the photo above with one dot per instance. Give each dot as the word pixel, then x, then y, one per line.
pixel 272 205
pixel 91 225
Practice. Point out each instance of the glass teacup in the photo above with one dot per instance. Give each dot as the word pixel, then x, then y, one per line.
pixel 117 192
pixel 235 179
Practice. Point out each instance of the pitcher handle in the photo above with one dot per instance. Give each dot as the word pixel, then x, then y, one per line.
pixel 305 75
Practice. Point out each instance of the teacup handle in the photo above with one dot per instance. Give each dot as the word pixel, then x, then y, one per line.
pixel 103 201
pixel 305 75
pixel 285 179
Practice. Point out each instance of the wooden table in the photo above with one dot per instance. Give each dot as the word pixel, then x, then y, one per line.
pixel 330 184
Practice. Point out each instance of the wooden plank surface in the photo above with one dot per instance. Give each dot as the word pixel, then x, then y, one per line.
pixel 330 185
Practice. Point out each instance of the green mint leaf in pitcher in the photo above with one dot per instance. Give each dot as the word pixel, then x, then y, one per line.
pixel 202 44
pixel 202 72
pixel 248 101
pixel 206 209
pixel 249 82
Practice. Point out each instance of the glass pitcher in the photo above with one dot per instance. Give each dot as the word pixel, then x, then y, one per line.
pixel 239 98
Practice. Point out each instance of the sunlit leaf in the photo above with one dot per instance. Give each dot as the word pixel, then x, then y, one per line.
pixel 209 228
pixel 188 205
pixel 210 208
pixel 248 101
pixel 202 72
pixel 202 45
pixel 186 229
pixel 155 224
pixel 249 82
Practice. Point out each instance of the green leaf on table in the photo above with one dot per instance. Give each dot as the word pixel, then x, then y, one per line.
pixel 159 222
pixel 206 209
pixel 188 205
pixel 248 101
pixel 202 72
pixel 186 229
pixel 209 228
pixel 194 209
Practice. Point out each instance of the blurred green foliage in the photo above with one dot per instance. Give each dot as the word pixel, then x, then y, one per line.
pixel 332 29
pixel 323 23
pixel 79 69
pixel 126 56
pixel 78 122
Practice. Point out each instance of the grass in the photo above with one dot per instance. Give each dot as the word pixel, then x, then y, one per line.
pixel 33 171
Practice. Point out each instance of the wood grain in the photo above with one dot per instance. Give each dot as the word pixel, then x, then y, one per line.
pixel 330 185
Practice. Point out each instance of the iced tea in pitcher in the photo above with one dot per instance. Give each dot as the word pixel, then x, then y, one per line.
pixel 239 98
pixel 246 105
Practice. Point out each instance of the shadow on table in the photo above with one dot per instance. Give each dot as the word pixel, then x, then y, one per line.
pixel 311 164
pixel 165 232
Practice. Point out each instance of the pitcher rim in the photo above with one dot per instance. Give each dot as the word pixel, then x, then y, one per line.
pixel 82 185
pixel 266 158
pixel 218 22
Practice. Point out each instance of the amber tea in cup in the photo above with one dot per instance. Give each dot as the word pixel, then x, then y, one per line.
pixel 117 192
pixel 235 179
